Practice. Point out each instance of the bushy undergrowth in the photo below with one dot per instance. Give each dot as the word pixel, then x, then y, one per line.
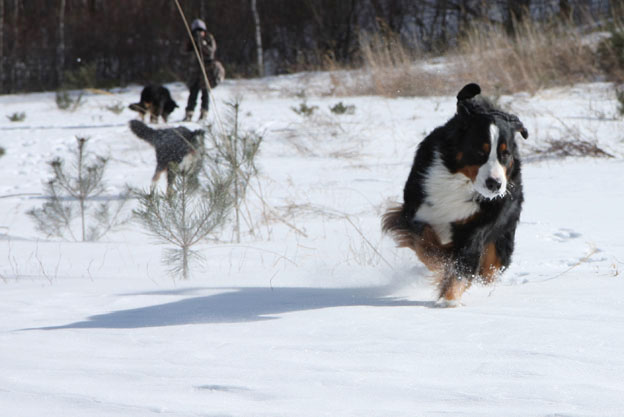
pixel 611 54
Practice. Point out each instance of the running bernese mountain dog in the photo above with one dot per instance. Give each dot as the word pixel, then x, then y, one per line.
pixel 463 197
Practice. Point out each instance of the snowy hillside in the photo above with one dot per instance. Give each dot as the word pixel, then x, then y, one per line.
pixel 315 313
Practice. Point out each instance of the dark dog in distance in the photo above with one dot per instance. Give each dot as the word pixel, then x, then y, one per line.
pixel 173 145
pixel 155 100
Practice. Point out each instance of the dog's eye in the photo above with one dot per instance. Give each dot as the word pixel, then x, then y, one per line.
pixel 505 154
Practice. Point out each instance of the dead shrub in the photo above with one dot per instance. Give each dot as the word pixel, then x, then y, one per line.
pixel 570 142
pixel 562 148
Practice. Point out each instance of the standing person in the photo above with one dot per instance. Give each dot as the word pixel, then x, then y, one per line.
pixel 207 47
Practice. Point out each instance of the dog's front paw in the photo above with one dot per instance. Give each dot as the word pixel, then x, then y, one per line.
pixel 444 303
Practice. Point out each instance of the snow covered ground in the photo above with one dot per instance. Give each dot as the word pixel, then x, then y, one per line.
pixel 315 313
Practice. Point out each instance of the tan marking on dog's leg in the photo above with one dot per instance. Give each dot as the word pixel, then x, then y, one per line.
pixel 170 179
pixel 451 289
pixel 429 249
pixel 155 178
pixel 490 264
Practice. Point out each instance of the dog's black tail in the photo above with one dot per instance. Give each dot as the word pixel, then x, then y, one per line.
pixel 397 225
pixel 142 131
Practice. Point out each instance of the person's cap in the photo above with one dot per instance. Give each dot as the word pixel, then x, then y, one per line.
pixel 198 24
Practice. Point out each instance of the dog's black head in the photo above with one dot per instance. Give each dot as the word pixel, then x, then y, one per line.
pixel 197 138
pixel 170 105
pixel 483 146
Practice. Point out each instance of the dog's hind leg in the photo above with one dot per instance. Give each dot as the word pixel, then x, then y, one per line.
pixel 170 179
pixel 159 170
pixel 160 111
pixel 151 110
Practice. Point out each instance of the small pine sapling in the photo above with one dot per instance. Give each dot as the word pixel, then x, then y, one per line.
pixel 17 117
pixel 117 107
pixel 304 110
pixel 194 207
pixel 64 101
pixel 235 150
pixel 340 108
pixel 71 197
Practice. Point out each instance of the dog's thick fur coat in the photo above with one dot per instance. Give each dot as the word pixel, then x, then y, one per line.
pixel 463 197
pixel 178 145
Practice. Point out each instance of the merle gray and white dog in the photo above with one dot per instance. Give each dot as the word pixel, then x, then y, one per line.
pixel 178 145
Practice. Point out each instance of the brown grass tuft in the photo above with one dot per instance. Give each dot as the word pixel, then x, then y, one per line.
pixel 539 55
pixel 390 69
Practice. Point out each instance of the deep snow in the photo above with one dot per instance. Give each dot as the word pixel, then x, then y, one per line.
pixel 315 313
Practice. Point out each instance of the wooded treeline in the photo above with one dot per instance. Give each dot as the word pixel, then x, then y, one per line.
pixel 42 42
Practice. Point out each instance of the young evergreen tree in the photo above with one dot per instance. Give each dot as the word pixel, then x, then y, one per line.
pixel 71 199
pixel 235 151
pixel 195 205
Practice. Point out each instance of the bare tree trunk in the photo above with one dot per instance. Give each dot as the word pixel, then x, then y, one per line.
pixel 60 47
pixel 2 46
pixel 15 48
pixel 259 51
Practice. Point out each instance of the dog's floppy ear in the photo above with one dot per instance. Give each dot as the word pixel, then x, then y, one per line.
pixel 519 127
pixel 468 92
pixel 515 123
pixel 464 105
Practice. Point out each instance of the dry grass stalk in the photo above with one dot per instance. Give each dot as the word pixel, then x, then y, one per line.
pixel 540 55
pixel 390 69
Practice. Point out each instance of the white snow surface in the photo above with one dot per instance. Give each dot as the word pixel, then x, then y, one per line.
pixel 314 313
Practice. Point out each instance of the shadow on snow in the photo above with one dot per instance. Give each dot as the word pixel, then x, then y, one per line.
pixel 241 305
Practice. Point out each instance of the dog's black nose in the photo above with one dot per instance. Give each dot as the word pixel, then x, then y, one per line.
pixel 493 184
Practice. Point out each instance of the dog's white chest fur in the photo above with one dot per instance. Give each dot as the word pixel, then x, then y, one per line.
pixel 448 198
